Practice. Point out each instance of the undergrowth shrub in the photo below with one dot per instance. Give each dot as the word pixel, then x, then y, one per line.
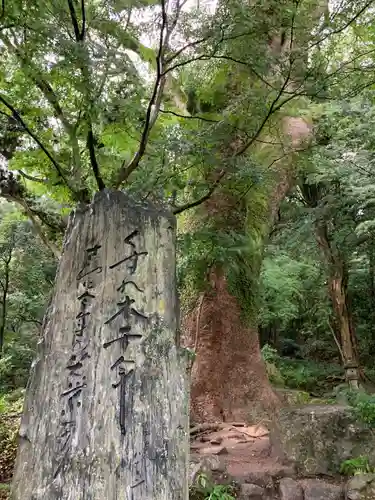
pixel 301 374
pixel 15 363
pixel 358 465
pixel 271 358
pixel 4 491
pixel 363 406
pixel 205 489
pixel 9 424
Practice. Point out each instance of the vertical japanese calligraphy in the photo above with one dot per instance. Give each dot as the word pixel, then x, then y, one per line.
pixel 126 312
pixel 76 379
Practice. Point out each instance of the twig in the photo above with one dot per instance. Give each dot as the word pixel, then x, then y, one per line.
pixel 31 178
pixel 182 208
pixel 336 341
pixel 155 99
pixel 93 160
pixel 343 28
pixel 74 19
pixel 18 117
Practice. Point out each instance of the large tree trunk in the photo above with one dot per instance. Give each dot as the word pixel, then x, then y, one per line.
pixel 338 291
pixel 106 411
pixel 229 378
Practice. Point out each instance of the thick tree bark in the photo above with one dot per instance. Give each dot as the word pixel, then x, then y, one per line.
pixel 106 411
pixel 338 291
pixel 229 378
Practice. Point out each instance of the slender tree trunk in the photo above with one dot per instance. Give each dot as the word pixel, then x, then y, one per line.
pixel 371 255
pixel 4 299
pixel 338 291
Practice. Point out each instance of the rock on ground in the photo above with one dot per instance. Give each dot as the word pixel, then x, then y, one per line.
pixel 252 492
pixel 315 489
pixel 361 487
pixel 290 490
pixel 319 438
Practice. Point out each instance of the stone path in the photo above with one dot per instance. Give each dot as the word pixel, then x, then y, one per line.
pixel 244 455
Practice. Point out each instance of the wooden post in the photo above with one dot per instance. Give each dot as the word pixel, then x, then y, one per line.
pixel 106 411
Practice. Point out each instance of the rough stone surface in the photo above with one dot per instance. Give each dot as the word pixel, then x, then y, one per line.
pixel 106 411
pixel 208 465
pixel 319 438
pixel 290 490
pixel 315 489
pixel 361 487
pixel 251 492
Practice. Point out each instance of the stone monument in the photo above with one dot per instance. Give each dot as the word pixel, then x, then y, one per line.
pixel 106 410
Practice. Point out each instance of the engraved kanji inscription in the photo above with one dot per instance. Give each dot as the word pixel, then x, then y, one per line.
pixel 132 259
pixel 127 312
pixel 76 380
pixel 124 369
pixel 91 264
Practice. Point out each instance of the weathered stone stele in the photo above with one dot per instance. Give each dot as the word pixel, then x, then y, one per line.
pixel 106 412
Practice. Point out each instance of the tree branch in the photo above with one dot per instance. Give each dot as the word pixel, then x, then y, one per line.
pixel 187 46
pixel 93 160
pixel 182 208
pixel 31 178
pixel 189 117
pixel 38 227
pixel 18 117
pixel 45 87
pixel 155 99
pixel 73 16
pixel 274 107
pixel 83 10
pixel 343 28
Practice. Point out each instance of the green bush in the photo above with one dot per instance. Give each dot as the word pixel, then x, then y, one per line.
pixel 9 423
pixel 270 354
pixel 15 364
pixel 271 359
pixel 359 465
pixel 205 489
pixel 4 491
pixel 363 407
pixel 304 375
